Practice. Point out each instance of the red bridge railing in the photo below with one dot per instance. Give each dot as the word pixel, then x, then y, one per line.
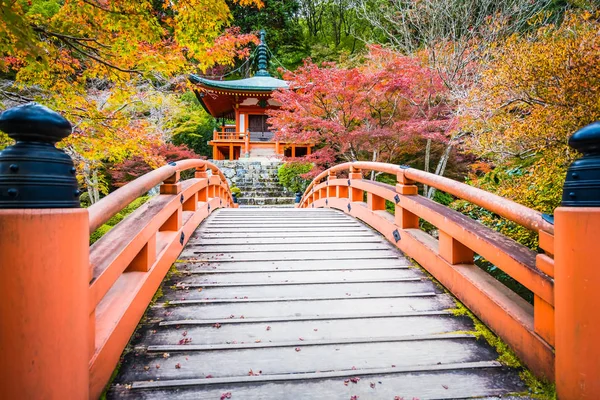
pixel 130 261
pixel 68 309
pixel 556 336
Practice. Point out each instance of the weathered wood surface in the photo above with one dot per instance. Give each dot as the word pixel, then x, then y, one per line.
pixel 297 304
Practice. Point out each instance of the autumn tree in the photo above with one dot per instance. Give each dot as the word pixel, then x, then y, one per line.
pixel 539 90
pixel 110 67
pixel 373 112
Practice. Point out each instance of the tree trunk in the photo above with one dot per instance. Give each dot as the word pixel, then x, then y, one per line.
pixel 426 168
pixel 374 160
pixel 441 167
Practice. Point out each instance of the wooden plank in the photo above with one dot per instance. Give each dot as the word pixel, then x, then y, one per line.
pixel 322 308
pixel 285 331
pixel 295 343
pixel 441 384
pixel 289 256
pixel 282 235
pixel 332 230
pixel 296 318
pixel 305 283
pixel 312 375
pixel 296 265
pixel 288 247
pixel 383 275
pixel 273 299
pixel 205 270
pixel 291 240
pixel 291 291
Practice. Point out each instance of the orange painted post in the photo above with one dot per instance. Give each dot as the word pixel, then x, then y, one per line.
pixel 144 260
pixel 247 144
pixel 201 172
pixel 354 193
pixel 331 190
pixel 44 262
pixel 577 273
pixel 404 218
pixel 453 251
pixel 171 185
pixel 375 203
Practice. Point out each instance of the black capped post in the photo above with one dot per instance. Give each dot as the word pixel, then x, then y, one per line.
pixel 582 184
pixel 33 172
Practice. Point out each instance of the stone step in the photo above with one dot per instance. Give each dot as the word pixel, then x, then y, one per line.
pixel 265 200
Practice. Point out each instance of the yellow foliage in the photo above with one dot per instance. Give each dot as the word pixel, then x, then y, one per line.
pixel 538 90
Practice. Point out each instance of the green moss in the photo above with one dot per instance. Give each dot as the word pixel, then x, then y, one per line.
pixel 112 378
pixel 159 293
pixel 537 388
pixel 173 271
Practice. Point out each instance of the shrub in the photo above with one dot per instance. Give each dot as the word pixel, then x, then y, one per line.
pixel 98 233
pixel 290 175
pixel 236 191
pixel 118 217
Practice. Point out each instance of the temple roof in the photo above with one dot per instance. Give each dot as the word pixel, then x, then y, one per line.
pixel 254 84
pixel 219 98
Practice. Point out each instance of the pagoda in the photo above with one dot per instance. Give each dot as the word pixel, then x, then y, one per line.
pixel 246 101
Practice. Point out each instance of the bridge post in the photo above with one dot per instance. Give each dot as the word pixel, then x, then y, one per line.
pixel 44 262
pixel 404 218
pixel 331 190
pixel 354 193
pixel 577 273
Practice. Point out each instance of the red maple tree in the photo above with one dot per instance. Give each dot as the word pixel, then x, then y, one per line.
pixel 377 112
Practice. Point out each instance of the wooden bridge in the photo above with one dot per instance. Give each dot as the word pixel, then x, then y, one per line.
pixel 321 301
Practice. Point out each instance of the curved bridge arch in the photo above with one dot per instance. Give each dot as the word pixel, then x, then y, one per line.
pixel 529 330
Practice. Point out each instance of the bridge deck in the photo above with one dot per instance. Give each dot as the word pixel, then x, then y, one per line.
pixel 303 304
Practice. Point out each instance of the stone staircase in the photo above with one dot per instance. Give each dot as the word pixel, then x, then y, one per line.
pixel 258 182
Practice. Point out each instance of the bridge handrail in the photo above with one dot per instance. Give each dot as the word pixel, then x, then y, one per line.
pixel 508 209
pixel 449 256
pixel 116 201
pixel 129 262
